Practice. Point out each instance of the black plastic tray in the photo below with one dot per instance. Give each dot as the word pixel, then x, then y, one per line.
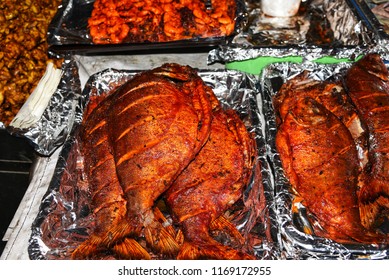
pixel 68 32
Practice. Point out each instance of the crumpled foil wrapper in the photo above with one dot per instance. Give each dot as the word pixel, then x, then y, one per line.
pixel 294 243
pixel 321 28
pixel 53 127
pixel 65 220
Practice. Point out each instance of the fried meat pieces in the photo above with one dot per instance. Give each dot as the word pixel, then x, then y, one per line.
pixel 134 21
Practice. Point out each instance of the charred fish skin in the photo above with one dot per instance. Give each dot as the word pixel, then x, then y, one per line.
pixel 319 157
pixel 332 95
pixel 107 197
pixel 367 83
pixel 136 142
pixel 210 184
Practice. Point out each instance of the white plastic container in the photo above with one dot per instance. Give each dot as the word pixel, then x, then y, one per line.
pixel 280 8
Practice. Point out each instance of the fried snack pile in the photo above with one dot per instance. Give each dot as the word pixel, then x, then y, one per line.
pixel 131 21
pixel 23 50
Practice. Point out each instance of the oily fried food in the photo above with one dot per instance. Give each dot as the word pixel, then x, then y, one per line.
pixel 330 94
pixel 320 159
pixel 130 21
pixel 157 167
pixel 210 184
pixel 23 51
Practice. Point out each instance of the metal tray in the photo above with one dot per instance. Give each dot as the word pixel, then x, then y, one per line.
pixel 318 23
pixel 295 243
pixel 234 89
pixel 364 11
pixel 321 28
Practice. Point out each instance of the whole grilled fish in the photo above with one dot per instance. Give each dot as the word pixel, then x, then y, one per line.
pixel 135 142
pixel 211 184
pixel 367 84
pixel 330 94
pixel 320 159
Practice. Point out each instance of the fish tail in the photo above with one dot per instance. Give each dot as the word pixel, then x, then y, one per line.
pixel 87 249
pixel 161 236
pixel 130 249
pixel 374 204
pixel 223 224
pixel 106 241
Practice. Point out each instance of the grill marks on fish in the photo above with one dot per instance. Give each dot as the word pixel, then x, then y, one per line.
pixel 129 155
pixel 145 99
pixel 210 184
pixel 100 124
pixel 135 143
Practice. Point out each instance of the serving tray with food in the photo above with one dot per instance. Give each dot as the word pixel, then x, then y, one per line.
pixel 23 51
pixel 153 179
pixel 105 26
pixel 376 14
pixel 328 133
pixel 320 28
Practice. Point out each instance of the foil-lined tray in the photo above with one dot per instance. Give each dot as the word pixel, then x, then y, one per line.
pixel 318 22
pixel 294 243
pixel 320 28
pixel 48 130
pixel 63 219
pixel 69 32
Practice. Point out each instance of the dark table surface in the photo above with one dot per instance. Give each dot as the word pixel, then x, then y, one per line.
pixel 16 159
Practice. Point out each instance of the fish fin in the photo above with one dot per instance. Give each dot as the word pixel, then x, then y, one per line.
pixel 160 217
pixel 160 240
pixel 374 213
pixel 87 249
pixel 222 223
pixel 95 243
pixel 180 237
pixel 130 249
pixel 196 251
pixel 374 203
pixel 118 232
pixel 161 236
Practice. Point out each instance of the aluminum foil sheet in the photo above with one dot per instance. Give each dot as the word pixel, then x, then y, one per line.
pixel 294 243
pixel 50 131
pixel 64 219
pixel 321 28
